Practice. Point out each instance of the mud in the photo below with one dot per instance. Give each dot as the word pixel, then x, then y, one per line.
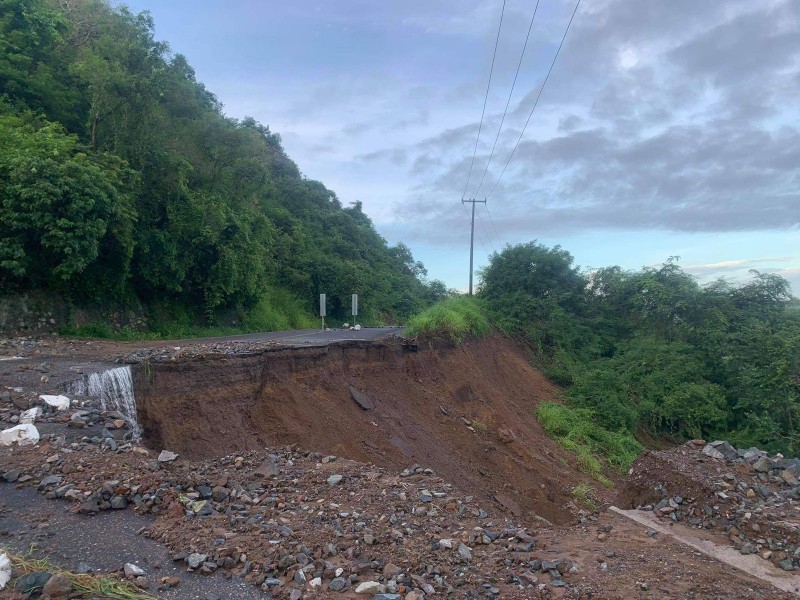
pixel 468 412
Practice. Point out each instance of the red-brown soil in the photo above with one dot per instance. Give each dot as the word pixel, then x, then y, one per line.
pixel 422 401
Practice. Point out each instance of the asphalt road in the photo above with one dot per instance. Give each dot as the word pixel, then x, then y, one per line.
pixel 299 337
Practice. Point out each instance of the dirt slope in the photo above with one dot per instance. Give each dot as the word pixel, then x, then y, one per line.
pixel 212 406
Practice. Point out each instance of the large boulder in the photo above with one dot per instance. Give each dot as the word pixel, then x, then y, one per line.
pixel 728 451
pixel 23 435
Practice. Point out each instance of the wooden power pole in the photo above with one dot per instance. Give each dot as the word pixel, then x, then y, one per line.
pixel 472 236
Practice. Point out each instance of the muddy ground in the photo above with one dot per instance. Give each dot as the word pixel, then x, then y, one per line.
pixel 256 430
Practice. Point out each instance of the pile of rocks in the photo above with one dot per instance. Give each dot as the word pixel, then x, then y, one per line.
pixel 749 495
pixel 85 421
pixel 294 522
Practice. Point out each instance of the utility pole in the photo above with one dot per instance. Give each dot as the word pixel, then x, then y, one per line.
pixel 472 236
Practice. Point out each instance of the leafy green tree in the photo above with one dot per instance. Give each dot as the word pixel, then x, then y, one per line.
pixel 60 206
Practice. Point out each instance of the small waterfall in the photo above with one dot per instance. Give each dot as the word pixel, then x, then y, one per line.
pixel 114 389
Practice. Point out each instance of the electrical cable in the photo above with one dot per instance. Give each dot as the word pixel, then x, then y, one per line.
pixel 508 102
pixel 485 100
pixel 539 95
pixel 491 220
pixel 486 233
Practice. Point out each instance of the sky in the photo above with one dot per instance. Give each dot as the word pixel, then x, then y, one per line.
pixel 667 127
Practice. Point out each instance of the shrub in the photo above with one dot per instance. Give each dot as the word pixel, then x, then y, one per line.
pixel 576 430
pixel 456 318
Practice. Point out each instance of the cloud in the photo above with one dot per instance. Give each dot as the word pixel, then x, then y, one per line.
pixel 741 271
pixel 684 122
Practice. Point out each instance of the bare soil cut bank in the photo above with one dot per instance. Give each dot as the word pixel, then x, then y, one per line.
pixel 467 412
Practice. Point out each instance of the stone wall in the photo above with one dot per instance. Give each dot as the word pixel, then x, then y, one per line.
pixel 35 312
pixel 42 312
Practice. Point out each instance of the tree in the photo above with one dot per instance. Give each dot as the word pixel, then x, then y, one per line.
pixel 59 205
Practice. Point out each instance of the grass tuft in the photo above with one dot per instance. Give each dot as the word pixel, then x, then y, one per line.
pixel 457 318
pixel 91 585
pixel 576 431
pixel 584 493
pixel 479 426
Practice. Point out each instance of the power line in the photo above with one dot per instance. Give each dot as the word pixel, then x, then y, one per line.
pixel 485 99
pixel 539 95
pixel 491 220
pixel 508 102
pixel 486 233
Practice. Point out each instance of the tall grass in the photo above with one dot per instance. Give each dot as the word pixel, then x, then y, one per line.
pixel 457 318
pixel 576 430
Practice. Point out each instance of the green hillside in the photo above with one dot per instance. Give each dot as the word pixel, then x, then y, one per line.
pixel 123 183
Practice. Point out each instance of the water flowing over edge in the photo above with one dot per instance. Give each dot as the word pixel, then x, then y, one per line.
pixel 114 389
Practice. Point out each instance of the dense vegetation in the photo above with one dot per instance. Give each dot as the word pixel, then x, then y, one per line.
pixel 653 354
pixel 123 183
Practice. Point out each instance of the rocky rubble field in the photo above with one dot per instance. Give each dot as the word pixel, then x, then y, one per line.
pixel 296 523
pixel 746 494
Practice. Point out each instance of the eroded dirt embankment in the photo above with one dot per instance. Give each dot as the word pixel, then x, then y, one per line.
pixel 211 406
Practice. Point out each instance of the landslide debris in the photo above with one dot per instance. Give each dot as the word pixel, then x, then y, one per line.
pixel 294 522
pixel 746 494
pixel 468 412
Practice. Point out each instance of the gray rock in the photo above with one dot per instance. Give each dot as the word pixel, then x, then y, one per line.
pixel 361 399
pixel 12 475
pixel 167 456
pixel 77 420
pixel 464 552
pixel 550 565
pixel 751 455
pixel 728 451
pixel 793 466
pixel 370 587
pixel 387 596
pixel 748 548
pixel 220 494
pixel 787 565
pixel 119 502
pixel 712 452
pixel 334 479
pixel 267 469
pixel 338 584
pixel 196 559
pixel 50 480
pixel 32 582
pixel 132 570
pixel 763 464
